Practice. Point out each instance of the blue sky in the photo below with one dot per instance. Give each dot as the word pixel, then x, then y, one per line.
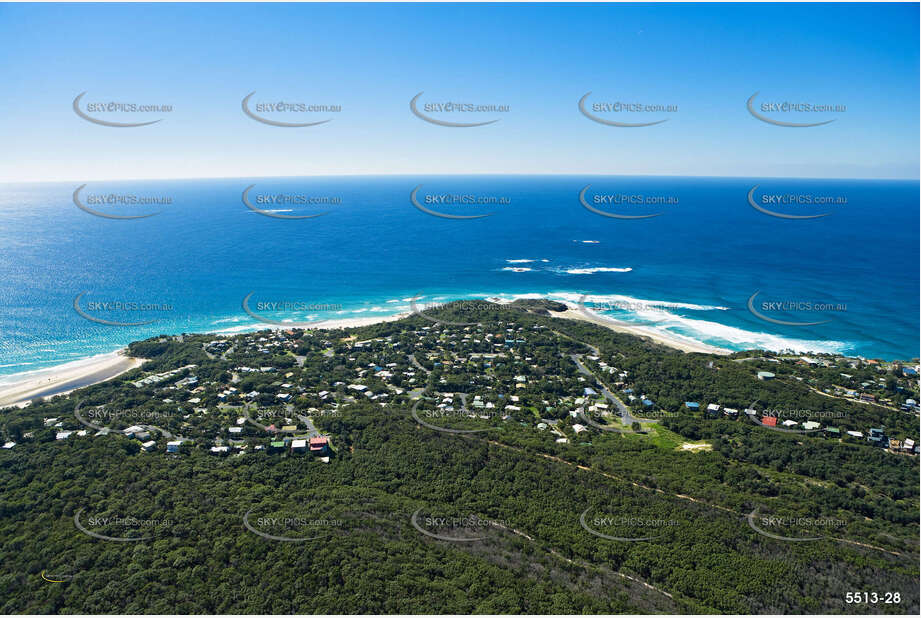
pixel 538 59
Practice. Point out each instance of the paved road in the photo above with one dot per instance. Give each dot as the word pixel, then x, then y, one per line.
pixel 412 359
pixel 625 414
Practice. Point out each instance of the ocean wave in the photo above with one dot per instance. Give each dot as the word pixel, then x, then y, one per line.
pixel 517 269
pixel 628 302
pixel 596 269
pixel 722 335
pixel 589 242
pixel 518 261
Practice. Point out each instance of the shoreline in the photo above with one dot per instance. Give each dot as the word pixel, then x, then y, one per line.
pixel 679 343
pixel 18 389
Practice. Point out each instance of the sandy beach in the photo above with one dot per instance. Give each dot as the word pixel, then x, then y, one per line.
pixel 18 389
pixel 679 343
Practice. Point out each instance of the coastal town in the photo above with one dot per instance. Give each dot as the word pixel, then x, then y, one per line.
pixel 267 392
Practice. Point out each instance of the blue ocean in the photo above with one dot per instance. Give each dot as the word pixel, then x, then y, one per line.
pixel 845 280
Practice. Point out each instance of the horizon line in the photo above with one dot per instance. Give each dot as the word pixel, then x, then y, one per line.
pixel 429 174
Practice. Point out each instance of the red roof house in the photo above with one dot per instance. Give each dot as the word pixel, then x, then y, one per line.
pixel 770 421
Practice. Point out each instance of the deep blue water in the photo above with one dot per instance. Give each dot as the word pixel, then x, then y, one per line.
pixel 707 253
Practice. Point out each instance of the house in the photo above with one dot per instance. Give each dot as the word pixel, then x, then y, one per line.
pixel 289 428
pixel 692 405
pixel 713 410
pixel 789 424
pixel 62 435
pixel 908 445
pixel 877 437
pixel 173 447
pixel 149 445
pixel 299 446
pixel 869 397
pixel 131 431
pixel 9 445
pixel 319 445
pixel 589 392
pixel 562 440
pixel 811 425
pixel 834 432
pixel 751 412
pixel 276 446
pixel 647 402
pixel 236 431
pixel 769 421
pixel 578 428
pixel 731 412
pixel 765 375
pixel 220 450
pixel 855 434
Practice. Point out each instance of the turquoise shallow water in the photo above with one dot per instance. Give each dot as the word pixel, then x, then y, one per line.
pixel 690 271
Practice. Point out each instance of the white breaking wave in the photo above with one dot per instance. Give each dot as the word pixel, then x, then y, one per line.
pixel 517 269
pixel 518 261
pixel 597 269
pixel 629 302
